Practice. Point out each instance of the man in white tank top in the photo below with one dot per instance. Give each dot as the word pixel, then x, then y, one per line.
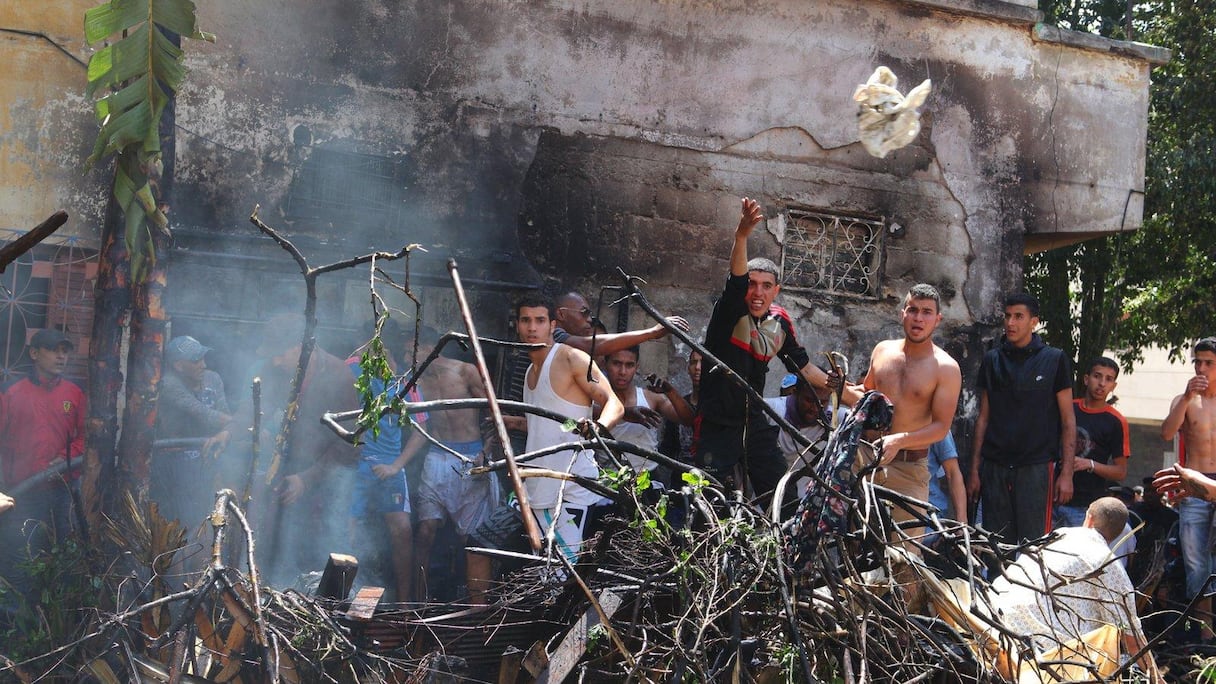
pixel 645 409
pixel 558 381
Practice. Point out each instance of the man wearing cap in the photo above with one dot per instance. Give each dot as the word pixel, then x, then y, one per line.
pixel 42 429
pixel 191 406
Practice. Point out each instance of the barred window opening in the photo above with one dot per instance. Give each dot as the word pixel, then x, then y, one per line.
pixel 832 253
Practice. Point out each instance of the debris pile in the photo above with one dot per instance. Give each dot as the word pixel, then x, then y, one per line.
pixel 695 583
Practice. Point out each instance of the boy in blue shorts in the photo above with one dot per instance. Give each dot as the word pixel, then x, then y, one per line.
pixel 380 484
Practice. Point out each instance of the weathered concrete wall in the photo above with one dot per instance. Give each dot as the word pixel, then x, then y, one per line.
pixel 561 139
pixel 1013 123
pixel 46 125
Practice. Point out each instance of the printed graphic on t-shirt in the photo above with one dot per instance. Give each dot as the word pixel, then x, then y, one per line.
pixel 763 339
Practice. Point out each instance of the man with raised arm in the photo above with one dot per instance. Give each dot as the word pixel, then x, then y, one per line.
pixel 1193 413
pixel 923 384
pixel 574 327
pixel 733 438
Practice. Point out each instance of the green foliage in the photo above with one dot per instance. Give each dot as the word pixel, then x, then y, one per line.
pixel 375 374
pixel 67 593
pixel 695 480
pixel 1156 286
pixel 136 74
pixel 1207 671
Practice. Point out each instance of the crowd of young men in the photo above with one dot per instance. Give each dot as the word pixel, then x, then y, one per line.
pixel 1039 459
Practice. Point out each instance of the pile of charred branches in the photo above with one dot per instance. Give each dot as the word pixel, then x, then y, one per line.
pixel 695 583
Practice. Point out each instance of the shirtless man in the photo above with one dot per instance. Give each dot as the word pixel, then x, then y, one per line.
pixel 1194 414
pixel 923 383
pixel 650 406
pixel 446 493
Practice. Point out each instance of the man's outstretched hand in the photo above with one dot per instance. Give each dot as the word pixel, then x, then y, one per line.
pixel 657 384
pixel 750 217
pixel 643 415
pixel 662 331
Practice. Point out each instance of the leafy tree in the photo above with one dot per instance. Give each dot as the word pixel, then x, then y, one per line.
pixel 137 74
pixel 133 76
pixel 1158 285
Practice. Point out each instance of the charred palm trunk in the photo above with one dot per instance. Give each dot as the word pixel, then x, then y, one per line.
pixel 149 323
pixel 112 302
pixel 118 459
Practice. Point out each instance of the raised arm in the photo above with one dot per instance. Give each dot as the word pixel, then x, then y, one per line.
pixel 611 343
pixel 667 400
pixel 750 216
pixel 1177 415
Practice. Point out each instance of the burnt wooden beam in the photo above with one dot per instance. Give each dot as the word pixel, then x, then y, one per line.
pixel 23 244
pixel 509 667
pixel 564 659
pixel 339 576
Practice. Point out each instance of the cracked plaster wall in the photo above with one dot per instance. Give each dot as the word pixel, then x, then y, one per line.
pixel 46 124
pixel 588 135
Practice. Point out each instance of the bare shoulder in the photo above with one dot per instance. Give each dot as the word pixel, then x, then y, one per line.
pixel 571 358
pixel 945 362
pixel 653 398
pixel 885 348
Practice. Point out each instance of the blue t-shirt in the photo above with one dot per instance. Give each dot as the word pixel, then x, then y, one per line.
pixel 386 446
pixel 939 453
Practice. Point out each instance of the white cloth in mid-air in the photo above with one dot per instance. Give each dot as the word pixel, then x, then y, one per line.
pixel 887 120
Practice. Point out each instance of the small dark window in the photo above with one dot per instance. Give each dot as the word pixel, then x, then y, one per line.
pixel 347 188
pixel 832 253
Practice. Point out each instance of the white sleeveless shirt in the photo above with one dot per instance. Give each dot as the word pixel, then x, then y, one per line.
pixel 636 433
pixel 543 432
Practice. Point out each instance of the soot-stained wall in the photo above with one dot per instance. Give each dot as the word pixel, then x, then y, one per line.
pixel 559 140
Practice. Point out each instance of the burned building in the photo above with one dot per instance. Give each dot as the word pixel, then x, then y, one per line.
pixel 564 140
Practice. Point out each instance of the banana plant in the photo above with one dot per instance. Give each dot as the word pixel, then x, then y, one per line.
pixel 133 77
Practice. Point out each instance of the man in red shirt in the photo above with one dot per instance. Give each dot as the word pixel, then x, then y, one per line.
pixel 42 430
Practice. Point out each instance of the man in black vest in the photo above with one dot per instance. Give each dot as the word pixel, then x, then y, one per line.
pixel 1025 435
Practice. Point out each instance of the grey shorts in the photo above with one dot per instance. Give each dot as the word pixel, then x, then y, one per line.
pixel 447 493
pixel 502 529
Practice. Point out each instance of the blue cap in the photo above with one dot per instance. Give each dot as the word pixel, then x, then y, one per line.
pixel 185 348
pixel 789 381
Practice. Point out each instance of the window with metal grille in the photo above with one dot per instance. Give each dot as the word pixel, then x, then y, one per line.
pixel 832 253
pixel 51 286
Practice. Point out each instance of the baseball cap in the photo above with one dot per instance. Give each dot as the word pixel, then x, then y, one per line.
pixel 185 348
pixel 49 338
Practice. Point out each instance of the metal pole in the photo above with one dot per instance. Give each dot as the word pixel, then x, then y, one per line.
pixel 517 482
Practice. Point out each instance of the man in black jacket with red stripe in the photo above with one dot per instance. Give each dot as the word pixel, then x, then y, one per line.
pixel 746 331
